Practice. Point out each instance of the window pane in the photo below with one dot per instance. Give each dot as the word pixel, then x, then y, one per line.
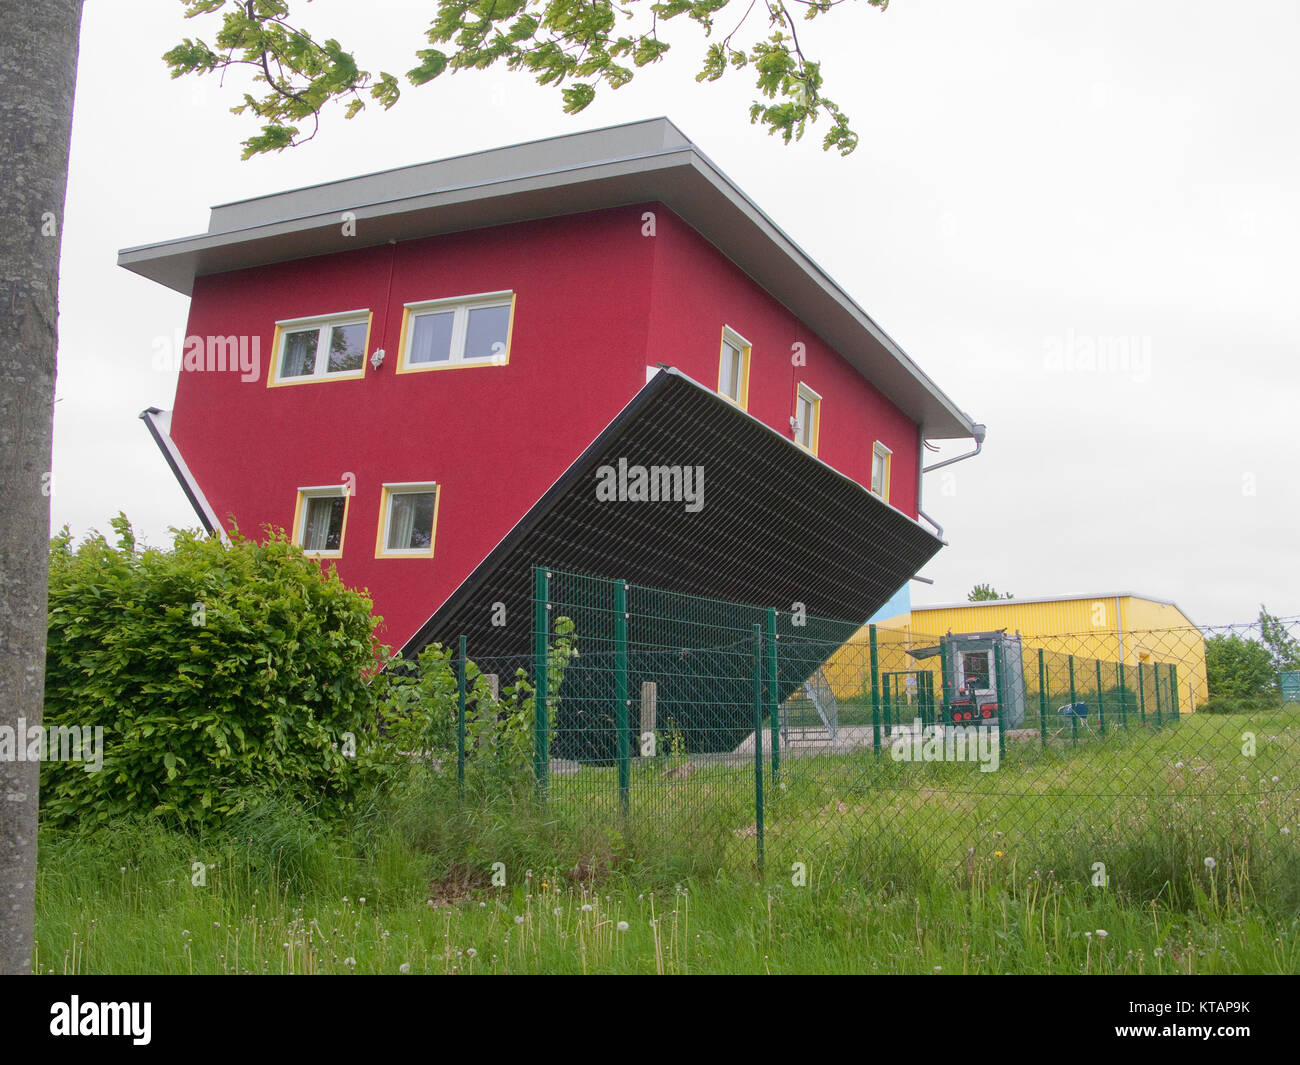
pixel 410 521
pixel 805 421
pixel 299 353
pixel 487 332
pixel 324 525
pixel 347 347
pixel 878 473
pixel 732 362
pixel 431 337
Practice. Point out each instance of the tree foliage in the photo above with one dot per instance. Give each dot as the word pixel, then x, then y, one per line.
pixel 984 593
pixel 577 46
pixel 1238 668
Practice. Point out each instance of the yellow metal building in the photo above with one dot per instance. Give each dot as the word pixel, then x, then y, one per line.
pixel 1118 627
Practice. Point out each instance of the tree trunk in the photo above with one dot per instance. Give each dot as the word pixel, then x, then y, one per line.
pixel 38 69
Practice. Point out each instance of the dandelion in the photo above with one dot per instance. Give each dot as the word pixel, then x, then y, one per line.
pixel 1210 863
pixel 622 926
pixel 350 962
pixel 1102 933
pixel 997 854
pixel 470 952
pixel 405 967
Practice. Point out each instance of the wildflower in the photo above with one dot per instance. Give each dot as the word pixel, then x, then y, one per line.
pixel 1178 765
pixel 519 919
pixel 997 854
pixel 1286 831
pixel 938 968
pixel 558 910
pixel 350 962
pixel 470 952
pixel 362 901
pixel 586 907
pixel 1210 863
pixel 405 967
pixel 622 926
pixel 482 905
pixel 1275 780
pixel 1102 933
pixel 1087 935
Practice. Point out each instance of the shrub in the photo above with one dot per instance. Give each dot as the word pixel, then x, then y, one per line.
pixel 218 673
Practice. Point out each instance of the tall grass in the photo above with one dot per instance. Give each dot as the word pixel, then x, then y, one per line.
pixel 871 865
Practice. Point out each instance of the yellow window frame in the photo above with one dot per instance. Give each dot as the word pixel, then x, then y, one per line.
pixel 321 491
pixel 386 493
pixel 735 340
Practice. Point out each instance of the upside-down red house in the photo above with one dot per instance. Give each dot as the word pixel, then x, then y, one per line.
pixel 592 352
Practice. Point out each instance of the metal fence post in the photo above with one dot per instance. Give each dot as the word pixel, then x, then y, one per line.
pixel 1101 702
pixel 999 660
pixel 875 692
pixel 945 696
pixel 460 719
pixel 1155 686
pixel 1173 687
pixel 1142 692
pixel 1074 718
pixel 1123 699
pixel 758 741
pixel 621 707
pixel 541 669
pixel 1042 701
pixel 773 693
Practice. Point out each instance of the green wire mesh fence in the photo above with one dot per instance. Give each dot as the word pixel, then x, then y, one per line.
pixel 780 741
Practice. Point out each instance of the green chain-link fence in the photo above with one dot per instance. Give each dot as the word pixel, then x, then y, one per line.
pixel 811 746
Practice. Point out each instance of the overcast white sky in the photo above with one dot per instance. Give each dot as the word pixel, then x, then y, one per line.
pixel 1034 181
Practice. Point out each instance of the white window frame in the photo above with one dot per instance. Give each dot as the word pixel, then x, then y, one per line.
pixel 324 324
pixel 460 306
pixel 813 431
pixel 878 450
pixel 396 488
pixel 321 491
pixel 735 340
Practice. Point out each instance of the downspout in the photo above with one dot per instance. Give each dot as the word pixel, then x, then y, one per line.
pixel 977 431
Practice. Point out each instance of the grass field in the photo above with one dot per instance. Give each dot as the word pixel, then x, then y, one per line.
pixel 907 867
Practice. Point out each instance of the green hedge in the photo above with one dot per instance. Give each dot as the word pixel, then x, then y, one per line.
pixel 217 673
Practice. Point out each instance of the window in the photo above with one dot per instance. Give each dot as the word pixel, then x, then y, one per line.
pixel 408 517
pixel 465 331
pixel 320 518
pixel 314 349
pixel 880 461
pixel 733 368
pixel 807 417
pixel 975 671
